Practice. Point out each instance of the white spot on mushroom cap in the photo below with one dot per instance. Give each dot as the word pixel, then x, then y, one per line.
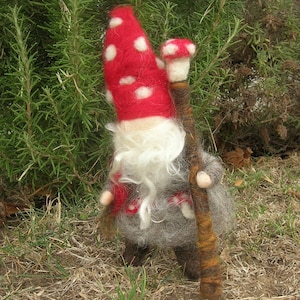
pixel 115 22
pixel 191 48
pixel 127 80
pixel 140 44
pixel 143 92
pixel 176 48
pixel 160 64
pixel 109 97
pixel 110 52
pixel 169 49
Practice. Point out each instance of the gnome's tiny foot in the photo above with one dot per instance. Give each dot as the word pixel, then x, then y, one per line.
pixel 134 255
pixel 189 259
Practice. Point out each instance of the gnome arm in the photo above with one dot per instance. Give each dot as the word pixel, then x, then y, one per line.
pixel 212 173
pixel 106 198
pixel 114 194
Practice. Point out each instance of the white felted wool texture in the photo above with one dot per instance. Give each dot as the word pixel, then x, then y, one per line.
pixel 178 69
pixel 127 80
pixel 147 158
pixel 152 163
pixel 114 22
pixel 191 48
pixel 140 44
pixel 170 49
pixel 110 52
pixel 143 92
pixel 160 64
pixel 109 97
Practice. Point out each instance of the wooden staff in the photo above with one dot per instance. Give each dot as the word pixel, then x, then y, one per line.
pixel 177 69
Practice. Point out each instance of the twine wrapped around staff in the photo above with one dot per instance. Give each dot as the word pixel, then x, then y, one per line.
pixel 177 53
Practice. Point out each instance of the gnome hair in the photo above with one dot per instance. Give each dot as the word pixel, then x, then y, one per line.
pixel 148 158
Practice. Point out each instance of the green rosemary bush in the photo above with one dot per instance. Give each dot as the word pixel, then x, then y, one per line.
pixel 52 105
pixel 52 108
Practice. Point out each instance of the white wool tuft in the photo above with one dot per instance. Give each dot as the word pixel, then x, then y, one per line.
pixel 110 52
pixel 109 97
pixel 187 211
pixel 191 48
pixel 170 49
pixel 178 69
pixel 143 92
pixel 115 22
pixel 127 80
pixel 140 44
pixel 160 64
pixel 148 158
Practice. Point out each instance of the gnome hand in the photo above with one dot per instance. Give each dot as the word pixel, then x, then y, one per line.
pixel 203 180
pixel 106 198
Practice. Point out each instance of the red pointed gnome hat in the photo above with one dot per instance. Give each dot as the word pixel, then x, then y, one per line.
pixel 136 80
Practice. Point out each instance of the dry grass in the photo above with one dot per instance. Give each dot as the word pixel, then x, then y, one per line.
pixel 58 254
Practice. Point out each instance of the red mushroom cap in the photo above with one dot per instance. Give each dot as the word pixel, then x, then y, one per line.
pixel 177 48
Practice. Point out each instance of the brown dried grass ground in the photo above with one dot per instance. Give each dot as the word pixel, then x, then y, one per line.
pixel 58 253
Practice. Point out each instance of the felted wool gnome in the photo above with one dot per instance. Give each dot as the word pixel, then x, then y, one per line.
pixel 148 190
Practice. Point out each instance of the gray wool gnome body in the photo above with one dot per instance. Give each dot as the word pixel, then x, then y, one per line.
pixel 148 188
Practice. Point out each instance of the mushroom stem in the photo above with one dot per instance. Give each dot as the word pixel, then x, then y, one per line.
pixel 177 68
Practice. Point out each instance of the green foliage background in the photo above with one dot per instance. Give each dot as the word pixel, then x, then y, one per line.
pixel 52 105
pixel 53 110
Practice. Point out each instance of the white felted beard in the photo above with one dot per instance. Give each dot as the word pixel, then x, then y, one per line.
pixel 148 158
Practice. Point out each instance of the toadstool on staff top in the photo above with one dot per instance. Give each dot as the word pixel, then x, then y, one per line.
pixel 177 54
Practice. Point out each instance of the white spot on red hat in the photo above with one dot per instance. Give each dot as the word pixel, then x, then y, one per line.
pixel 143 92
pixel 110 52
pixel 126 80
pixel 160 64
pixel 109 97
pixel 140 44
pixel 115 22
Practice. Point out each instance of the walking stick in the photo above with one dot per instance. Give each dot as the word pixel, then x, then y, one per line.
pixel 177 54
